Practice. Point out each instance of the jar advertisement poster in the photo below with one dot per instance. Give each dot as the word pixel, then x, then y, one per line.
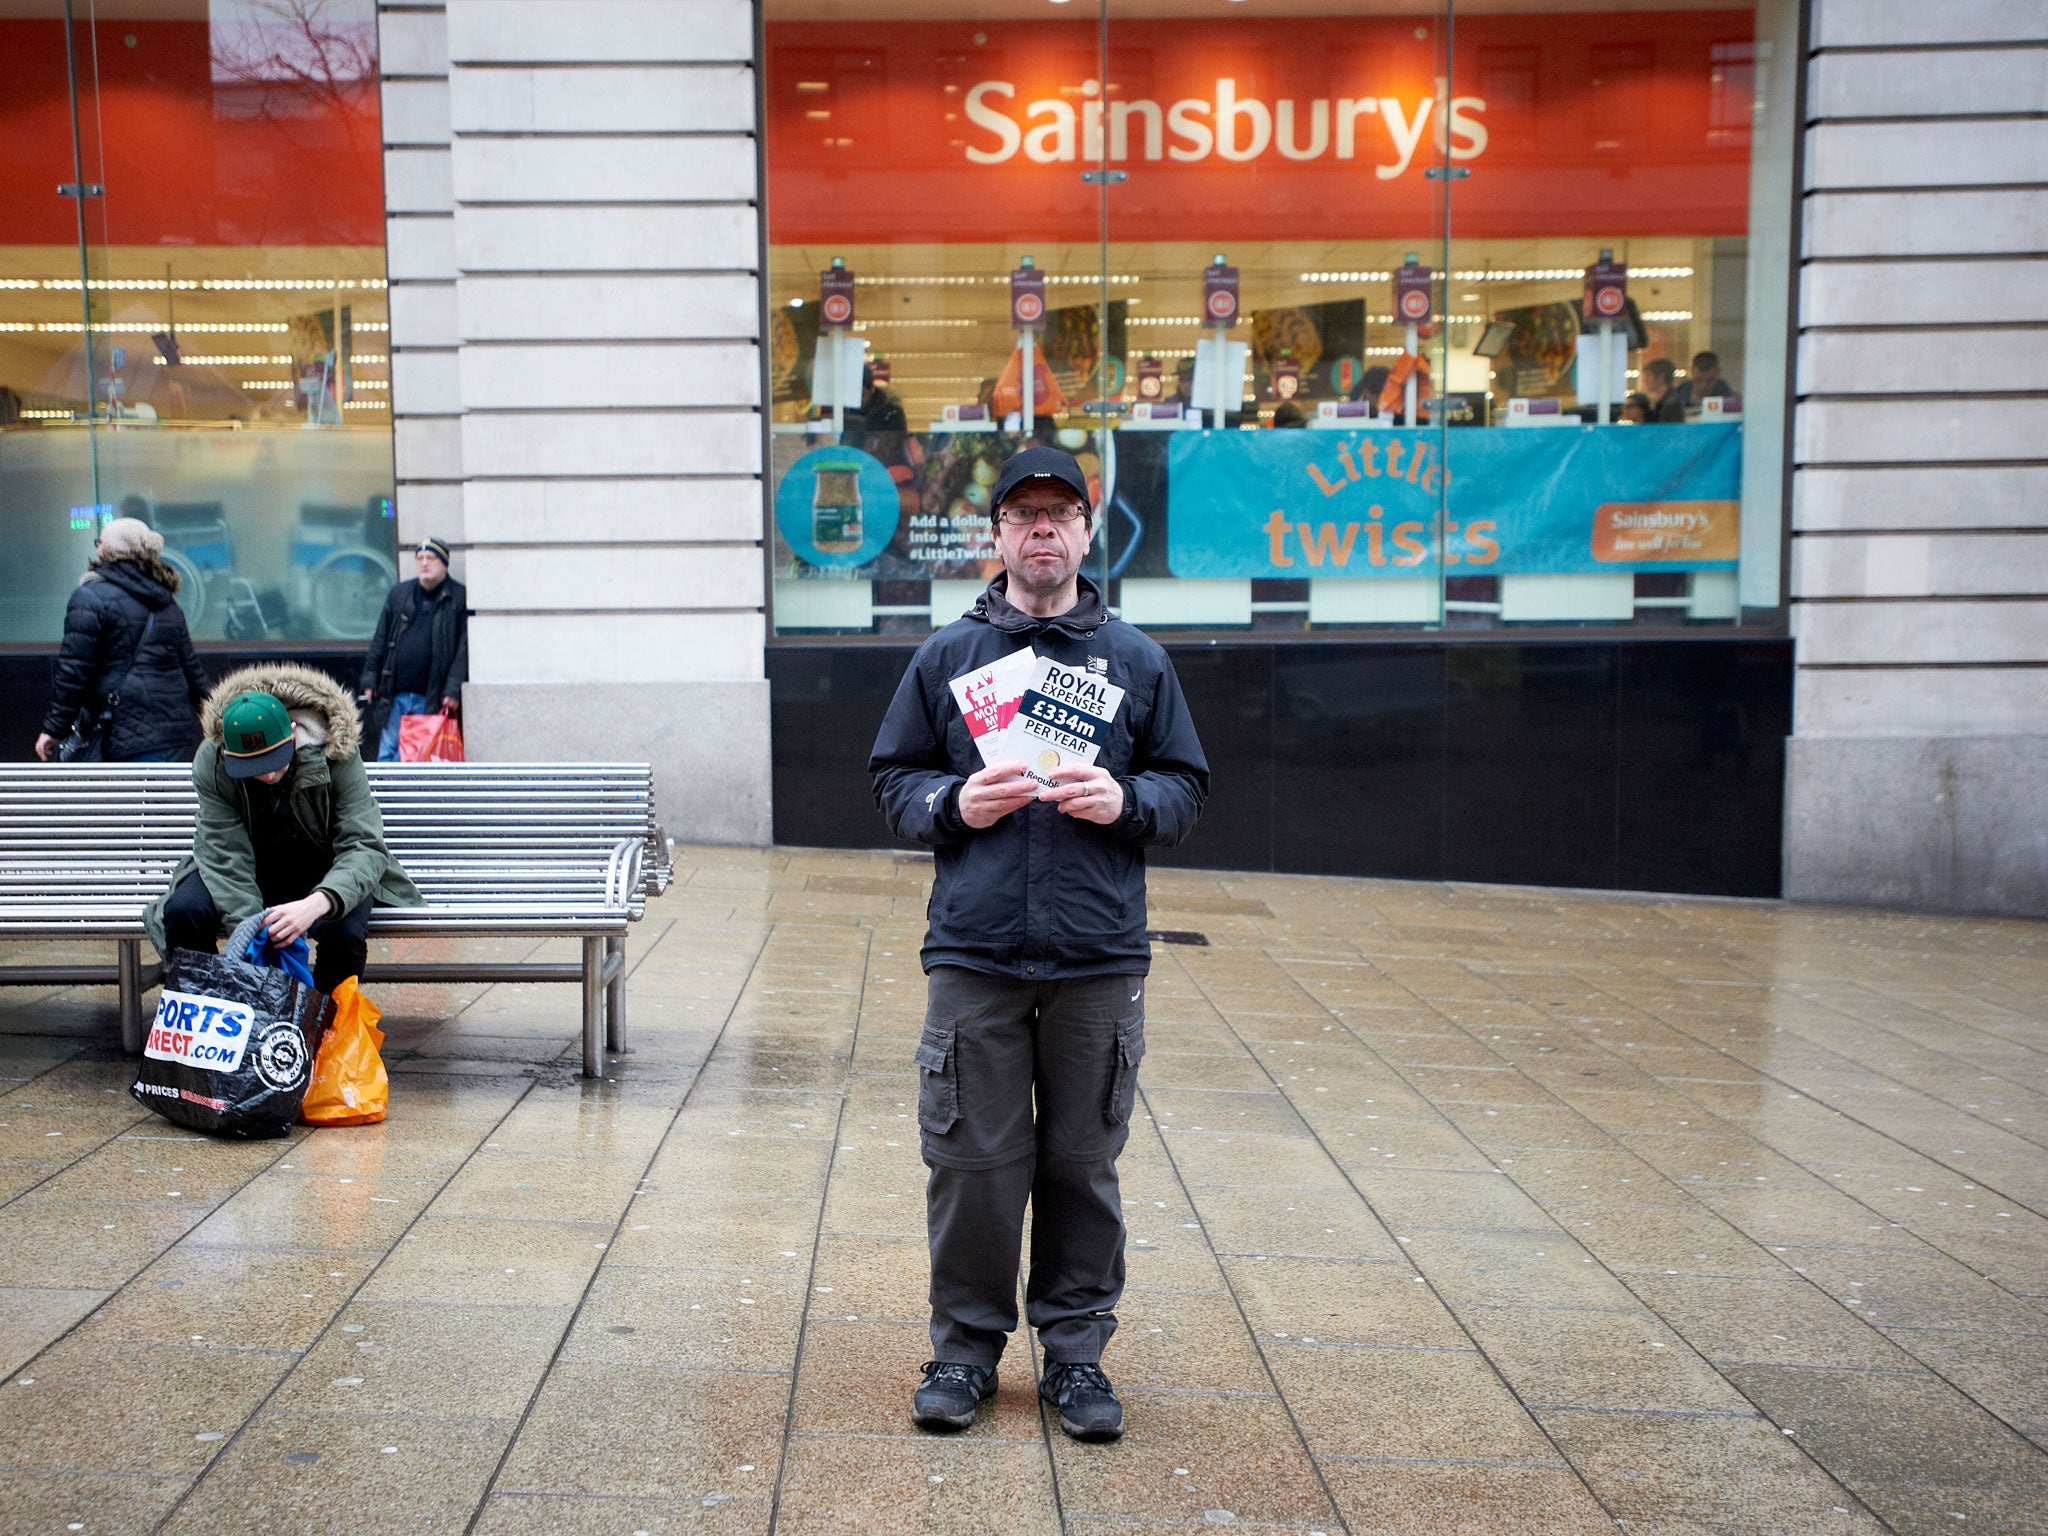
pixel 899 506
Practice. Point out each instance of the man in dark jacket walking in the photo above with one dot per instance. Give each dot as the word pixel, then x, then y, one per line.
pixel 419 656
pixel 127 656
pixel 1036 955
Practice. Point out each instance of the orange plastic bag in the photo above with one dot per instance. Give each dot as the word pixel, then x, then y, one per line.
pixel 1395 395
pixel 1047 399
pixel 349 1086
pixel 429 739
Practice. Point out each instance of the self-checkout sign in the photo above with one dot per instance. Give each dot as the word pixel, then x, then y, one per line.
pixel 1027 298
pixel 1606 288
pixel 1412 294
pixel 1219 294
pixel 205 1032
pixel 835 298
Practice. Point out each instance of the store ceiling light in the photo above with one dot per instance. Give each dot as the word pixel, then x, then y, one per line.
pixel 1556 274
pixel 131 327
pixel 196 284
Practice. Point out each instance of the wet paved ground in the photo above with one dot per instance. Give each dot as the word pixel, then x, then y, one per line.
pixel 1452 1209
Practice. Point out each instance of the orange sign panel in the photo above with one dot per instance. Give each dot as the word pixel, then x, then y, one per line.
pixel 1258 128
pixel 1633 532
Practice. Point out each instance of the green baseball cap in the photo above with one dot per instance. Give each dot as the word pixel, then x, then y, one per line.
pixel 255 735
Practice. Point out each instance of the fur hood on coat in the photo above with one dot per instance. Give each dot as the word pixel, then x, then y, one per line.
pixel 321 708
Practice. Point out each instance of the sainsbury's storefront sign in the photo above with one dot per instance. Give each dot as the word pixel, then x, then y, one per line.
pixel 1259 128
pixel 1226 124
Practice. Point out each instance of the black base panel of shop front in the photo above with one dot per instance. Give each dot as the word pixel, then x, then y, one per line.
pixel 25 687
pixel 1639 765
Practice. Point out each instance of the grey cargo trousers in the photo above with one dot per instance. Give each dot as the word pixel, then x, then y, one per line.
pixel 991 1044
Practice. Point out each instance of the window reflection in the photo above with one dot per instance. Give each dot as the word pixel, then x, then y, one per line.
pixel 198 335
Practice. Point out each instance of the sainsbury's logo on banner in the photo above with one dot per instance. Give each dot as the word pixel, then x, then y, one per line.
pixel 1227 125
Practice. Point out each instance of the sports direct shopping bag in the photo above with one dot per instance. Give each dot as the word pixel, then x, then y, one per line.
pixel 349 1084
pixel 231 1048
pixel 429 739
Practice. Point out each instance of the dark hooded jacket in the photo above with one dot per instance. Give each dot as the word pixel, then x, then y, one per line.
pixel 449 668
pixel 1040 896
pixel 159 685
pixel 330 802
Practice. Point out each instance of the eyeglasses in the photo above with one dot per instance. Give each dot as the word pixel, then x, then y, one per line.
pixel 1024 517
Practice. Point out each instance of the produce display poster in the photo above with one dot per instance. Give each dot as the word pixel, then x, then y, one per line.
pixel 988 698
pixel 1062 719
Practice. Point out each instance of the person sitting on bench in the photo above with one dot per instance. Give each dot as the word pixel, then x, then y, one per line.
pixel 287 825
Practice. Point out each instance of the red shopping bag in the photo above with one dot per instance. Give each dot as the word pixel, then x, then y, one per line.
pixel 429 739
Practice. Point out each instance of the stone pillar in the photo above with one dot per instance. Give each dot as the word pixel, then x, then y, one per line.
pixel 602 389
pixel 1918 770
pixel 419 232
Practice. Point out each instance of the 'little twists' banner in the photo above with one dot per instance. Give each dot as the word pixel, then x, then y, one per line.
pixel 1552 501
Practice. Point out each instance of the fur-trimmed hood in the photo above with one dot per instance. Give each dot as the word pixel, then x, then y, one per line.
pixel 321 709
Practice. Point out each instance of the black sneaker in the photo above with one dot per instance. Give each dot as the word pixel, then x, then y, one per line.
pixel 1086 1401
pixel 950 1394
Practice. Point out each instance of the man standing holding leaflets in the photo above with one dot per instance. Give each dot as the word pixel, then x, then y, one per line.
pixel 419 656
pixel 1040 746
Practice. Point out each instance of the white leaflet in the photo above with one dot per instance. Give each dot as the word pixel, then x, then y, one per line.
pixel 988 697
pixel 1062 719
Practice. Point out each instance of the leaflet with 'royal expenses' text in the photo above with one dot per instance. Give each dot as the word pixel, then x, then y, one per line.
pixel 1062 719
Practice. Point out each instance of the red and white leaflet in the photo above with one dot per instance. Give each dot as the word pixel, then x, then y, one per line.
pixel 988 697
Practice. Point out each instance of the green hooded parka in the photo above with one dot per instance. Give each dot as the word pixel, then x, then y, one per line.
pixel 330 798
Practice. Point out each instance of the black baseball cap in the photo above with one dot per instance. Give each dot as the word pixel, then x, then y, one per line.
pixel 1038 463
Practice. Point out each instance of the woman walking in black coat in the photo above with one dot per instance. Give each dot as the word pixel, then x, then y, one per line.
pixel 127 657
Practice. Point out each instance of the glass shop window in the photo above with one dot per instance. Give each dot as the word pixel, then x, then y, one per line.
pixel 1355 321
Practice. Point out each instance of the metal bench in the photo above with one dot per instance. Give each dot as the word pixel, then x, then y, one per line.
pixel 499 850
pixel 616 799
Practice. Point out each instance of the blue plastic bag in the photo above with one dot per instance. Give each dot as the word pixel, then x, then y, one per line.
pixel 295 959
